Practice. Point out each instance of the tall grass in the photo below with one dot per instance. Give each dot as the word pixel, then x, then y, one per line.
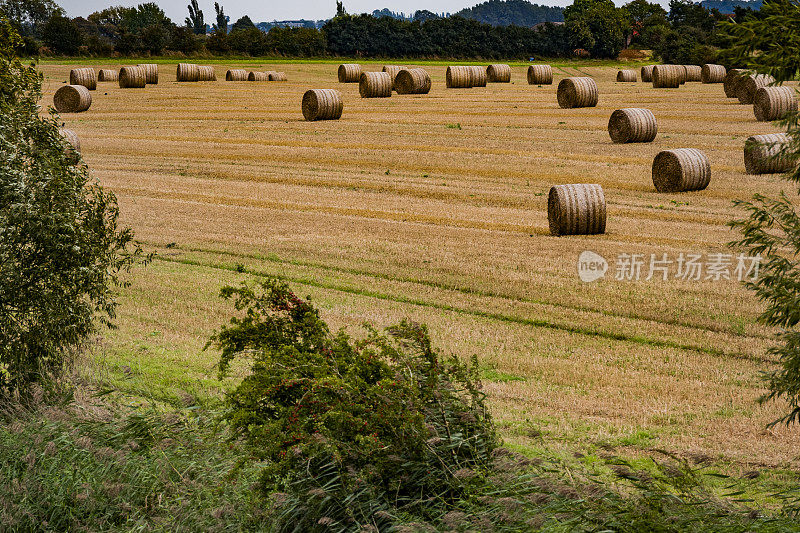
pixel 108 467
pixel 117 463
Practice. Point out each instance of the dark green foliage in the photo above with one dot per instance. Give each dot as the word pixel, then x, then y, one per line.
pixel 647 24
pixel 144 29
pixel 61 250
pixel 492 30
pixel 243 23
pixel 195 21
pixel 512 12
pixel 295 42
pixel 221 26
pixel 452 37
pixel 692 36
pixel 62 36
pixel 597 26
pixel 185 40
pixel 424 15
pixel 279 41
pixel 383 423
pixel 769 44
pixel 28 16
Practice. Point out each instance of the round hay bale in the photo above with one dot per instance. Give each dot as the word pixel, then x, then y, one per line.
pixel 712 73
pixel 375 85
pixel 749 85
pixel 132 78
pixel 72 99
pixel 774 103
pixel 668 76
pixel 499 73
pixel 731 82
pixel 540 75
pixel 393 71
pixel 632 125
pixel 107 74
pixel 236 74
pixel 626 76
pixel 74 143
pixel 694 73
pixel 681 74
pixel 576 209
pixel 412 81
pixel 682 169
pixel 479 77
pixel 150 73
pixel 459 77
pixel 349 73
pixel 206 73
pixel 577 92
pixel 277 76
pixel 322 104
pixel 188 72
pixel 83 76
pixel 647 73
pixel 258 76
pixel 763 154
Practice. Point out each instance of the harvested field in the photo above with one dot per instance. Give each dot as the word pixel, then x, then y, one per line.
pixel 393 212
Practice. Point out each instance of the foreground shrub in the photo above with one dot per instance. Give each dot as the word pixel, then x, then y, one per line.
pixel 352 431
pixel 61 249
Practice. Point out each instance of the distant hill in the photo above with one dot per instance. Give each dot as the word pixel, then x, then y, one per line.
pixel 727 6
pixel 516 12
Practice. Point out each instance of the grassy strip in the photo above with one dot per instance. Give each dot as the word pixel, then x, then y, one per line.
pixel 539 323
pixel 272 258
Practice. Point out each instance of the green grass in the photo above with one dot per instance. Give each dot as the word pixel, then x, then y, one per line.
pixel 110 461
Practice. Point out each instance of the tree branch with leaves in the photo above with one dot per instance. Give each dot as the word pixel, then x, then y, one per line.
pixel 770 44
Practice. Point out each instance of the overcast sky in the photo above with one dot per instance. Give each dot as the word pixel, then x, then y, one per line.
pixel 268 10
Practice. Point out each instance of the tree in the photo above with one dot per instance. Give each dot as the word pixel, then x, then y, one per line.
pixel 647 22
pixel 243 23
pixel 183 39
pixel 144 28
pixel 221 27
pixel 597 24
pixel 61 249
pixel 772 227
pixel 424 15
pixel 512 12
pixel 340 11
pixel 195 19
pixel 29 15
pixel 63 36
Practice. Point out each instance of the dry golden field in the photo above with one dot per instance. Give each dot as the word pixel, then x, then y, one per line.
pixel 434 207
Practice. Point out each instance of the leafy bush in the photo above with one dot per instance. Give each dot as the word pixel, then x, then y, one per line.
pixel 61 250
pixel 351 428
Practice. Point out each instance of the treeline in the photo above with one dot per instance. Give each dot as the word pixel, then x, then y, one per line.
pixel 687 33
pixel 512 12
pixel 367 36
